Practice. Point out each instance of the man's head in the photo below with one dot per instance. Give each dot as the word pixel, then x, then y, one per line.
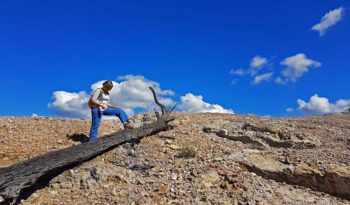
pixel 107 85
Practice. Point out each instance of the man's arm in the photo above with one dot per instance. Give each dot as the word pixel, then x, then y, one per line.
pixel 95 102
pixel 113 106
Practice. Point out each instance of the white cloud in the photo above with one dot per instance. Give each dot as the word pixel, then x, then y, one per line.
pixel 70 104
pixel 290 109
pixel 257 63
pixel 191 103
pixel 261 78
pixel 131 93
pixel 296 67
pixel 321 105
pixel 328 20
pixel 238 71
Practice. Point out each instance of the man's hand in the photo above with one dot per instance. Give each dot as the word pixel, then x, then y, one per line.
pixel 113 106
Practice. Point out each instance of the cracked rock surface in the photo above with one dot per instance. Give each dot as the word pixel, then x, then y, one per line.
pixel 205 159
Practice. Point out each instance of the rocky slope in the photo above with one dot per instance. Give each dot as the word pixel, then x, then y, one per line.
pixel 205 159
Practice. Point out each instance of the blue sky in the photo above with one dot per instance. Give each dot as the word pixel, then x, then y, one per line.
pixel 186 48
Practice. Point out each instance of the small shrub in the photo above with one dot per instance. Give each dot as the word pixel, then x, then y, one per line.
pixel 187 152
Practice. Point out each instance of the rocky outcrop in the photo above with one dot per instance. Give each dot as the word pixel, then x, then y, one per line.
pixel 261 136
pixel 333 179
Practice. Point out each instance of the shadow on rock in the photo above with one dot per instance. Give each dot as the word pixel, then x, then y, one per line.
pixel 78 138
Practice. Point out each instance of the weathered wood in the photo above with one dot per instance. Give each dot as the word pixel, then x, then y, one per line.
pixel 164 110
pixel 19 176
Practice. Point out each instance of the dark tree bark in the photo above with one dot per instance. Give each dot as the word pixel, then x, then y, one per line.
pixel 18 177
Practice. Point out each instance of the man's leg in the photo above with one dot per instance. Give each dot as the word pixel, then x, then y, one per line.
pixel 118 112
pixel 96 120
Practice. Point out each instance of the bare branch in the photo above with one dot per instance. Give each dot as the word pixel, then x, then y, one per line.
pixel 172 108
pixel 157 102
pixel 157 113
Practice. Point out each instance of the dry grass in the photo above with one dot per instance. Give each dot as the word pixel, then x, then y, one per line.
pixel 187 152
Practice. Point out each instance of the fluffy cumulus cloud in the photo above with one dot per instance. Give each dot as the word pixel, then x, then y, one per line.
pixel 321 105
pixel 329 20
pixel 70 104
pixel 133 93
pixel 257 63
pixel 262 78
pixel 130 93
pixel 295 67
pixel 192 103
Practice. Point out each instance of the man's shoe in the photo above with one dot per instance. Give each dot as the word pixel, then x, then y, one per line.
pixel 128 125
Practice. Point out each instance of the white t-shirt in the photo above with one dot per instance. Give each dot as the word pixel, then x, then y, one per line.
pixel 101 97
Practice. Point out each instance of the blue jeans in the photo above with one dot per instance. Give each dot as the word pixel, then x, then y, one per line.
pixel 96 115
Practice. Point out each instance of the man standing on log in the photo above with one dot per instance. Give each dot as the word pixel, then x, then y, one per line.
pixel 99 105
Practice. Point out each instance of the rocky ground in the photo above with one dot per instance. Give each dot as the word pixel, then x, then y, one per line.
pixel 205 159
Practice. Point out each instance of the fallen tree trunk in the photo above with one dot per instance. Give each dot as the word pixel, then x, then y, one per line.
pixel 18 177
